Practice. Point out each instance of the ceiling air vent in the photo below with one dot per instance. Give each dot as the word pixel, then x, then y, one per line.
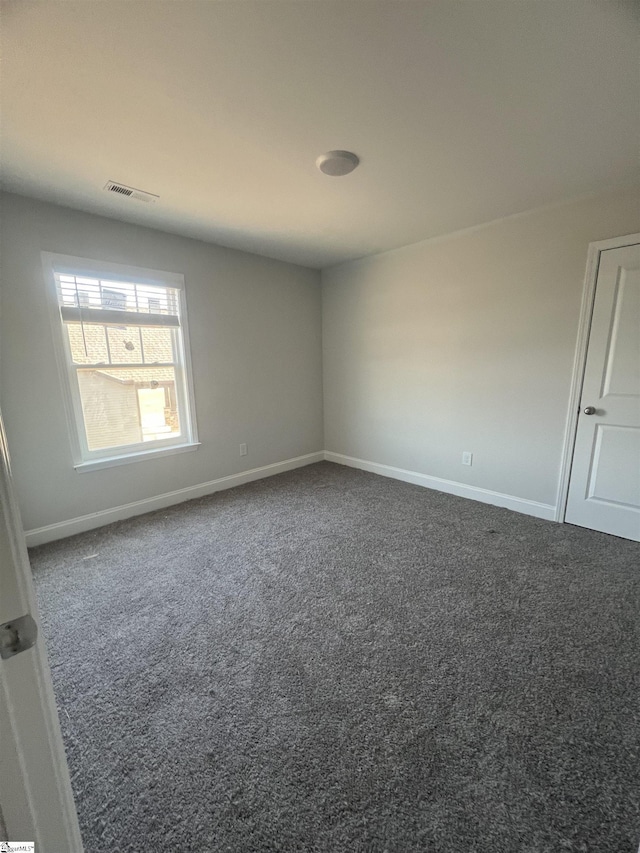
pixel 129 192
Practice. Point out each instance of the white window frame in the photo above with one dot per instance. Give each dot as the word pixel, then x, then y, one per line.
pixel 83 458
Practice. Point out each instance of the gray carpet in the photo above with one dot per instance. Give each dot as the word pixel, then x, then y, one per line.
pixel 332 661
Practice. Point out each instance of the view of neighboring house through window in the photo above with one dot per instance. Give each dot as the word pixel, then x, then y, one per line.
pixel 125 351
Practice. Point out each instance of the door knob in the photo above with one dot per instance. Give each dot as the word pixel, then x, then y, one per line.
pixel 590 410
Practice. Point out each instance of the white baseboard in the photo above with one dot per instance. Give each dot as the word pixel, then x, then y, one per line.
pixel 61 529
pixel 475 493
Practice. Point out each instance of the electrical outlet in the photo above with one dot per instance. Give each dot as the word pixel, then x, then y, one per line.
pixel 243 450
pixel 467 457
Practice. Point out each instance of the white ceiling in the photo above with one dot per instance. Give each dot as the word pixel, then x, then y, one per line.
pixel 462 111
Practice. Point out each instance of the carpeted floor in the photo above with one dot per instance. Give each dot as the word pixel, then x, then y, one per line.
pixel 328 660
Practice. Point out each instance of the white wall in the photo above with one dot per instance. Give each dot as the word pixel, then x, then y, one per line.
pixel 255 327
pixel 465 343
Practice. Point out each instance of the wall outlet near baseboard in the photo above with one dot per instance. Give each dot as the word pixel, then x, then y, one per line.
pixel 467 457
pixel 243 450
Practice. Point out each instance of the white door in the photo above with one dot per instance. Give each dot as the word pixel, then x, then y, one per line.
pixel 604 489
pixel 35 792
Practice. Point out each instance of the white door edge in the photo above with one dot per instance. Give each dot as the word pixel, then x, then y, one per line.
pixel 35 789
pixel 580 359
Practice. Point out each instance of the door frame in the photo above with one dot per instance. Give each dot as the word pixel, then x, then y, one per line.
pixel 580 362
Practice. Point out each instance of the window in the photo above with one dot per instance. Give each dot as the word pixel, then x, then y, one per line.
pixel 124 352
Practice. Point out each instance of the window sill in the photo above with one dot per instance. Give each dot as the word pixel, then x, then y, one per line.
pixel 111 461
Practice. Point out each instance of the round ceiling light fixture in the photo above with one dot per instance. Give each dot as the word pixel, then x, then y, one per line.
pixel 337 163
